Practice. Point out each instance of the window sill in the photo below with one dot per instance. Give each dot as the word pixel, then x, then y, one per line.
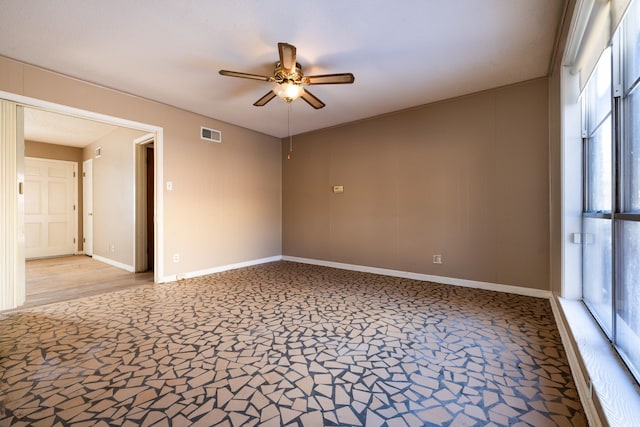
pixel 608 392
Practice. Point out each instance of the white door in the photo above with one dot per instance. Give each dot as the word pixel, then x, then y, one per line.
pixel 87 206
pixel 50 200
pixel 12 288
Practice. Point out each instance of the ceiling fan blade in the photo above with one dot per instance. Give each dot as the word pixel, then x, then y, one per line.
pixel 245 75
pixel 311 99
pixel 329 79
pixel 287 54
pixel 268 97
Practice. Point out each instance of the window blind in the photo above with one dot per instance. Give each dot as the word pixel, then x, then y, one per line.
pixel 594 23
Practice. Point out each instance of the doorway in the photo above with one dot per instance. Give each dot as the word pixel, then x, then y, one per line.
pixel 150 207
pixel 144 242
pixel 12 280
pixel 108 205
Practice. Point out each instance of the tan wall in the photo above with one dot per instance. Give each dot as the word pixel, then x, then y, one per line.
pixel 113 202
pixel 466 178
pixel 226 204
pixel 60 152
pixel 52 151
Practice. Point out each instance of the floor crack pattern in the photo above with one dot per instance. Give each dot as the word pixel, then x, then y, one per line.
pixel 287 344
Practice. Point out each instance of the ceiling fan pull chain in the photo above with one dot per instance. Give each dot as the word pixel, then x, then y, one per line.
pixel 289 131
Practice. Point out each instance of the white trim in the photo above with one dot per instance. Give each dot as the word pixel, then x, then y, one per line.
pixel 538 293
pixel 149 137
pixel 612 395
pixel 140 214
pixel 571 185
pixel 118 264
pixel 580 377
pixel 212 270
pixel 158 194
pixel 73 111
pixel 87 205
pixel 139 232
pixel 158 167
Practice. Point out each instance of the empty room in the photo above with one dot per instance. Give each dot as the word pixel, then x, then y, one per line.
pixel 337 213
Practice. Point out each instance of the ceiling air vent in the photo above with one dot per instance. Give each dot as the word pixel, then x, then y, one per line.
pixel 210 134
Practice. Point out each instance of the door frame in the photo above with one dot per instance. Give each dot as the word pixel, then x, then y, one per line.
pixel 139 196
pixel 87 202
pixel 16 244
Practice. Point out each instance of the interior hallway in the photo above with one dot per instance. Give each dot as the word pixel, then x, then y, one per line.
pixel 287 344
pixel 58 279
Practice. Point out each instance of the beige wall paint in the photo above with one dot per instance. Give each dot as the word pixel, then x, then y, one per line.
pixel 225 207
pixel 113 198
pixel 466 178
pixel 43 150
pixel 52 151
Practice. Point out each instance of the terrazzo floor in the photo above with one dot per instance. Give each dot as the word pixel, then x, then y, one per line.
pixel 286 344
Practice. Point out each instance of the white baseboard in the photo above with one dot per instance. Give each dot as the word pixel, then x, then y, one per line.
pixel 538 293
pixel 118 264
pixel 212 270
pixel 583 383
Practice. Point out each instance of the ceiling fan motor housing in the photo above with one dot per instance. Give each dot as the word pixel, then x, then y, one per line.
pixel 281 75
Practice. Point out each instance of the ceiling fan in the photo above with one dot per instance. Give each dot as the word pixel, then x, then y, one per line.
pixel 288 79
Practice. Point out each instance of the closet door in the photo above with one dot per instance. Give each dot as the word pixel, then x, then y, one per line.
pixel 50 208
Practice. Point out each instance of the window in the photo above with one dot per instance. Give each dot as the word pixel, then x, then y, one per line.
pixel 597 220
pixel 611 199
pixel 627 306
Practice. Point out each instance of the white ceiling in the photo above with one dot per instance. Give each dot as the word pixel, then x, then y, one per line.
pixel 54 128
pixel 403 53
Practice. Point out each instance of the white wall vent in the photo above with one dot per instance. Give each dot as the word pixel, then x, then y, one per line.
pixel 210 134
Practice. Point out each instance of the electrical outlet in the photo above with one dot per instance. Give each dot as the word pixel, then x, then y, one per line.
pixel 437 259
pixel 113 247
pixel 176 257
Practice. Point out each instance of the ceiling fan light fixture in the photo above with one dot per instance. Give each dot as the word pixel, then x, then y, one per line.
pixel 288 91
pixel 289 78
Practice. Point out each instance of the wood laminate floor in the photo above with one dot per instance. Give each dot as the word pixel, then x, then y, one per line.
pixel 52 280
